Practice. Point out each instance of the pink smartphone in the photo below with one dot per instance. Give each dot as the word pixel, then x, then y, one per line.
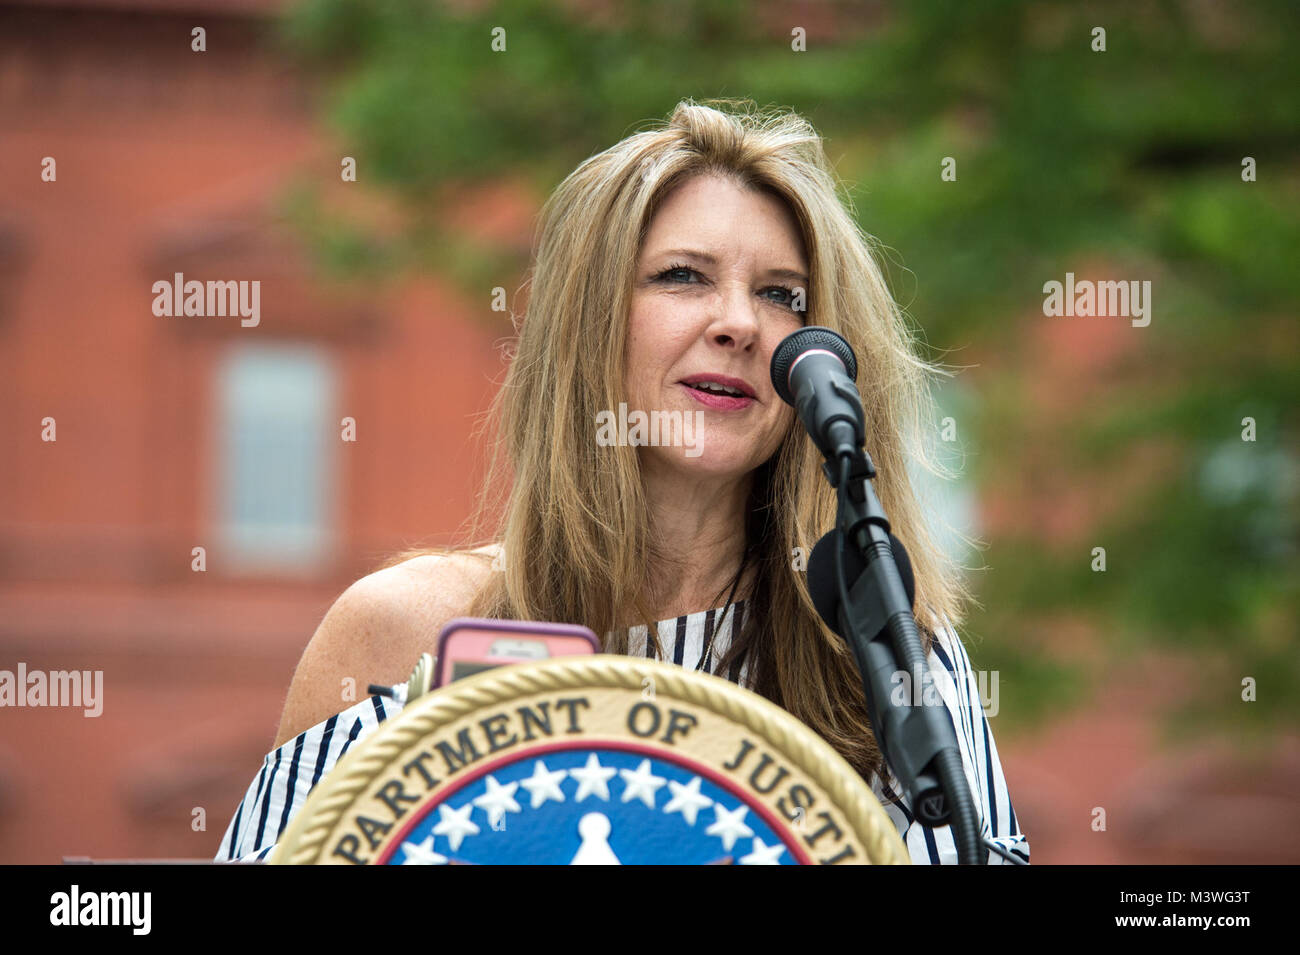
pixel 468 645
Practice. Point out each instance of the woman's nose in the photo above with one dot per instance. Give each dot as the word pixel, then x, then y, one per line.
pixel 735 319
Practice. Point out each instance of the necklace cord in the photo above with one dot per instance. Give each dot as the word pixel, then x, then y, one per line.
pixel 706 656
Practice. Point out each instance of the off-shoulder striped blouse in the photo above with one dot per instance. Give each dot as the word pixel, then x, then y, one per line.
pixel 290 772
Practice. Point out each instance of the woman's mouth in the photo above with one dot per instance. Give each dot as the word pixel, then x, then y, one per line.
pixel 721 394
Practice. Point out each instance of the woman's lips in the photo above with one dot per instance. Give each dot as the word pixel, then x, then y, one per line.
pixel 719 402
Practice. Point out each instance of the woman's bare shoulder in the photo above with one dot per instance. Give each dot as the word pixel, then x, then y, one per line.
pixel 424 590
pixel 377 629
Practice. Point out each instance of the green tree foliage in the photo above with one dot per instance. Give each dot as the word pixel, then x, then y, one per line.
pixel 1127 161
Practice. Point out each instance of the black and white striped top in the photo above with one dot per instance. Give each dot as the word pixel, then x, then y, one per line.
pixel 290 772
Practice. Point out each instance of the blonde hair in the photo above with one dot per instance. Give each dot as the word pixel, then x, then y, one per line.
pixel 572 516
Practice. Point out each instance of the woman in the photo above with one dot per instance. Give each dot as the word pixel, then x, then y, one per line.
pixel 668 269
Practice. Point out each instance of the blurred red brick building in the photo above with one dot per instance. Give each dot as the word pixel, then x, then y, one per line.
pixel 173 433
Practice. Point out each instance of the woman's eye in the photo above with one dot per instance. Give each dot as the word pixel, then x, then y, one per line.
pixel 684 275
pixel 782 296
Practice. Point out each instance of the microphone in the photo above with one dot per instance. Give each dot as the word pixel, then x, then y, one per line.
pixel 864 566
pixel 814 370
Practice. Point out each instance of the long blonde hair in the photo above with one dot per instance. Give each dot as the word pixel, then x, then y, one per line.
pixel 571 516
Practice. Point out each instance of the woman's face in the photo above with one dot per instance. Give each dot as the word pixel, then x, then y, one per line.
pixel 714 294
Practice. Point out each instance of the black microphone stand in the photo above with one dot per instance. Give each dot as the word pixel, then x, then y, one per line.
pixel 875 616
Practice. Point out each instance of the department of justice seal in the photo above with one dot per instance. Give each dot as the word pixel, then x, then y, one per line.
pixel 592 760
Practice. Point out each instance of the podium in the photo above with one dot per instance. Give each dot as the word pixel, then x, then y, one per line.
pixel 591 760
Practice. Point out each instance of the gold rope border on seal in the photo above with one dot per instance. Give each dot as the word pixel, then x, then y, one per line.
pixel 790 738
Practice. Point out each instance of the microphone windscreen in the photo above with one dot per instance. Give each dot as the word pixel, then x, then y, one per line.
pixel 798 342
pixel 823 587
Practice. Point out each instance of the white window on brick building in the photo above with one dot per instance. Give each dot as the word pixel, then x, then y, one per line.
pixel 276 460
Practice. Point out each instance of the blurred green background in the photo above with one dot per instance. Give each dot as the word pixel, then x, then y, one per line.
pixel 1075 433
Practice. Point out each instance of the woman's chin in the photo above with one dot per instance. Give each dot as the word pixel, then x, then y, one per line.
pixel 705 459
